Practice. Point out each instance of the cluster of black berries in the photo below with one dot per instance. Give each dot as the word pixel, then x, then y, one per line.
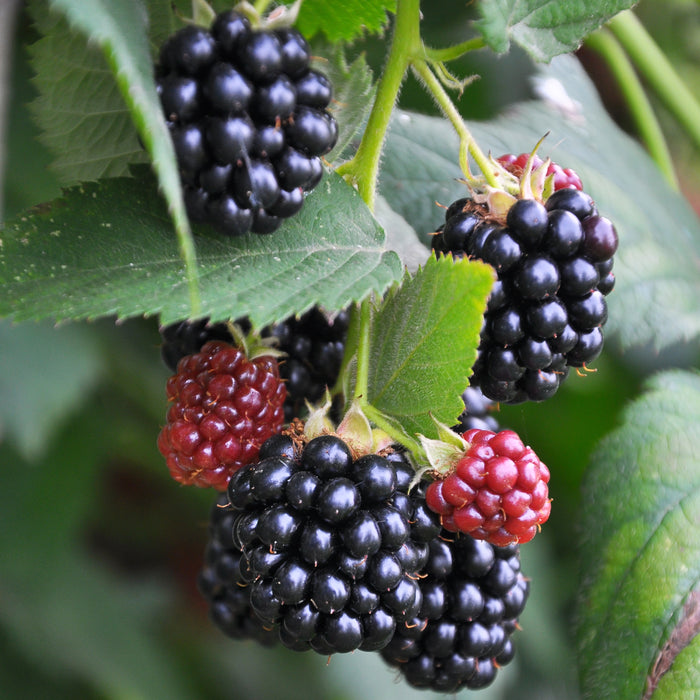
pixel 547 308
pixel 473 594
pixel 331 545
pixel 313 347
pixel 248 119
pixel 323 552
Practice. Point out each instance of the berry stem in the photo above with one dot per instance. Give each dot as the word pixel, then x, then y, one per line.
pixel 605 44
pixel 363 169
pixel 468 145
pixel 655 68
pixel 449 53
pixel 362 372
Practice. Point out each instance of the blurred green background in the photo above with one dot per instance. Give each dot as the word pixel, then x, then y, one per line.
pixel 99 549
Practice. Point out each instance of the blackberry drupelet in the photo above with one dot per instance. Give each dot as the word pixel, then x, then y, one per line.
pixel 473 594
pixel 330 544
pixel 547 308
pixel 249 120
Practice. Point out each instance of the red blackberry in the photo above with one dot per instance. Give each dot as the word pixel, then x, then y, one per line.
pixel 473 594
pixel 312 346
pixel 331 543
pixel 249 121
pixel 221 584
pixel 563 177
pixel 496 490
pixel 547 308
pixel 223 407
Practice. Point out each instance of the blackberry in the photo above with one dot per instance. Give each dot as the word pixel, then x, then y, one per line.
pixel 223 406
pixel 547 308
pixel 477 412
pixel 314 347
pixel 222 585
pixel 249 121
pixel 187 338
pixel 473 594
pixel 497 490
pixel 330 544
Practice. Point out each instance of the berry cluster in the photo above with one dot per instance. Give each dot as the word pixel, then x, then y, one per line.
pixel 330 545
pixel 547 308
pixel 473 594
pixel 223 407
pixel 497 491
pixel 248 119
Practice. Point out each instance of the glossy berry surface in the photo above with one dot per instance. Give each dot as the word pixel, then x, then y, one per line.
pixel 498 490
pixel 547 307
pixel 223 407
pixel 222 584
pixel 473 594
pixel 241 98
pixel 331 544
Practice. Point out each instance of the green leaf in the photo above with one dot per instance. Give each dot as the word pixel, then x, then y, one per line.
pixel 343 21
pixel 30 406
pixel 425 334
pixel 84 120
pixel 119 28
pixel 544 28
pixel 107 249
pixel 640 543
pixel 656 301
pixel 353 92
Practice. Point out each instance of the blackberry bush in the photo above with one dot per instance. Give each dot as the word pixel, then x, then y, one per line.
pixel 249 121
pixel 299 557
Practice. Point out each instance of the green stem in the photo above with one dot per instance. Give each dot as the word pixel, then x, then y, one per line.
pixel 468 145
pixel 653 65
pixel 261 6
pixel 363 169
pixel 362 371
pixel 398 435
pixel 605 44
pixel 449 53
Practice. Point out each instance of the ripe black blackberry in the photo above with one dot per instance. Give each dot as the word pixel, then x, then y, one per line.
pixel 473 594
pixel 313 345
pixel 221 584
pixel 249 121
pixel 478 412
pixel 331 544
pixel 547 308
